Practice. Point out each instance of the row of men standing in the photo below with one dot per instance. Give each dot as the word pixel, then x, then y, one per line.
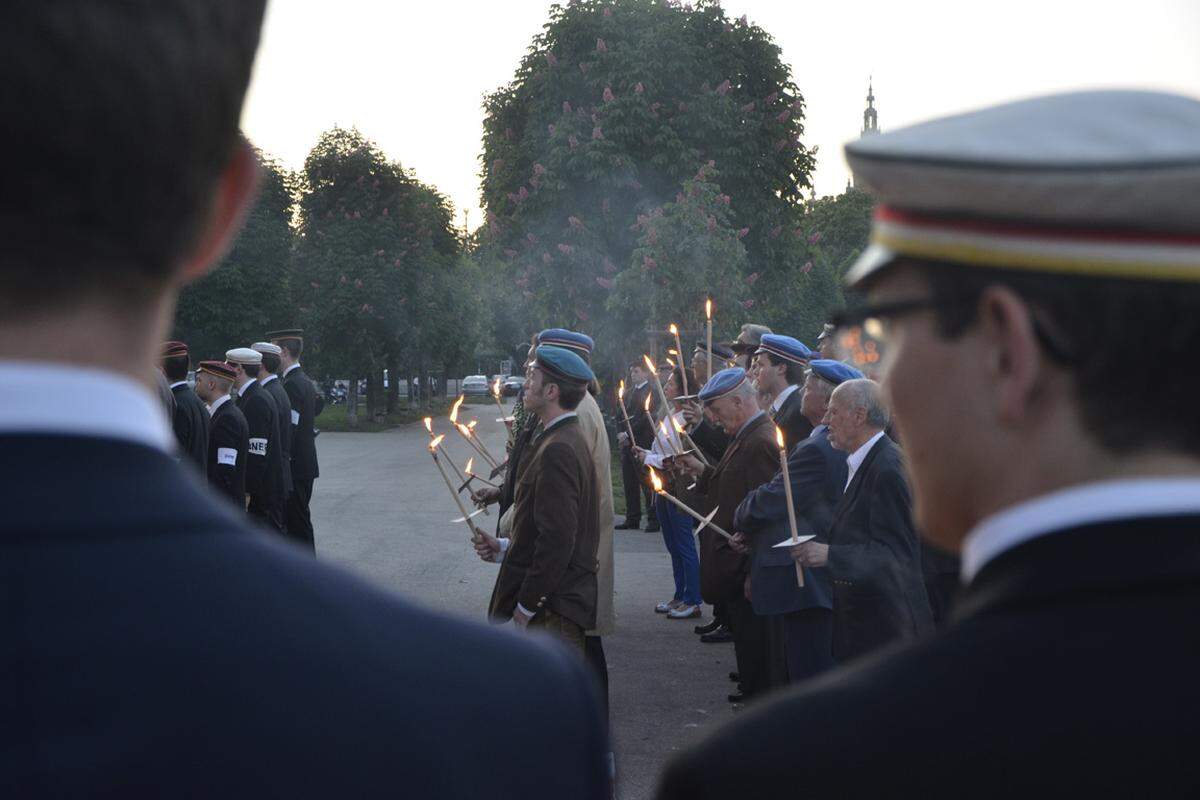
pixel 248 426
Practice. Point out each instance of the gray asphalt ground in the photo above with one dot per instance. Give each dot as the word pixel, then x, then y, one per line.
pixel 381 510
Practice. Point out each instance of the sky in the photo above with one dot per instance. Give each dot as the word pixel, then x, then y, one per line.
pixel 412 76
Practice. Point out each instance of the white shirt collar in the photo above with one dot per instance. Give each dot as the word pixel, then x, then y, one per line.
pixel 640 385
pixel 855 459
pixel 292 367
pixel 268 379
pixel 564 416
pixel 43 397
pixel 1088 504
pixel 178 383
pixel 245 386
pixel 217 404
pixel 784 395
pixel 817 430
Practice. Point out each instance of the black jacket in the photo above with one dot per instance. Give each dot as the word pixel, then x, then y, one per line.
pixel 303 396
pixel 635 407
pixel 711 440
pixel 875 559
pixel 190 422
pixel 283 407
pixel 1068 670
pixel 795 426
pixel 264 463
pixel 228 439
pixel 155 645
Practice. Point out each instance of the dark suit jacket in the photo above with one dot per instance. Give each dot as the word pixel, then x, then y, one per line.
pixel 551 562
pixel 283 407
pixel 750 461
pixel 1069 670
pixel 190 422
pixel 818 473
pixel 795 425
pixel 264 461
pixel 635 407
pixel 228 439
pixel 155 646
pixel 875 559
pixel 303 396
pixel 516 461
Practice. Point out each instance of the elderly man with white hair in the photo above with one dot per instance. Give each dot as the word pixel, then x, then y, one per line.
pixel 874 554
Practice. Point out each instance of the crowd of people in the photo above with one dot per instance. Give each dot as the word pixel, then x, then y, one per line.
pixel 157 643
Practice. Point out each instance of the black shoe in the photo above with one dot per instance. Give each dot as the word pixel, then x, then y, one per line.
pixel 708 628
pixel 718 636
pixel 733 676
pixel 653 527
pixel 627 526
pixel 736 698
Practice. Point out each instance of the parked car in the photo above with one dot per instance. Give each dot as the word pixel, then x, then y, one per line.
pixel 475 384
pixel 512 385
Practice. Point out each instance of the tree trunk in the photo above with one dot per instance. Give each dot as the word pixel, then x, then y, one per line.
pixel 393 390
pixel 423 375
pixel 372 393
pixel 352 403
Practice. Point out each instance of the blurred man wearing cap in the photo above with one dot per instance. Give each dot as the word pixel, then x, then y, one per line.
pixel 633 475
pixel 780 362
pixel 746 343
pixel 547 577
pixel 305 405
pixel 827 342
pixel 750 461
pixel 1014 250
pixel 800 618
pixel 229 435
pixel 190 420
pixel 264 463
pixel 154 643
pixel 268 379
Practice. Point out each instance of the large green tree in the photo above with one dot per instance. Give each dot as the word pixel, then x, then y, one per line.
pixel 644 155
pixel 248 293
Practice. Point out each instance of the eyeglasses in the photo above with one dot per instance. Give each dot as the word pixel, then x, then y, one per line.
pixel 874 320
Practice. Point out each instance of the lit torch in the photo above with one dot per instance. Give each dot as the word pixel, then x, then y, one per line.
pixel 662 396
pixel 657 483
pixel 496 396
pixel 624 412
pixel 457 471
pixel 679 354
pixel 708 316
pixel 433 451
pixel 787 490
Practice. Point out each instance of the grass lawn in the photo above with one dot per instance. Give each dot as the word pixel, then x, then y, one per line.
pixel 617 484
pixel 333 418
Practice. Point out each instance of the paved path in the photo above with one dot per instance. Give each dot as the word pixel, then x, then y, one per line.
pixel 381 509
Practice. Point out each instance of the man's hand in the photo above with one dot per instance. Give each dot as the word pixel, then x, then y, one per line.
pixel 640 454
pixel 521 619
pixel 747 587
pixel 811 554
pixel 487 547
pixel 485 496
pixel 688 464
pixel 692 412
pixel 740 543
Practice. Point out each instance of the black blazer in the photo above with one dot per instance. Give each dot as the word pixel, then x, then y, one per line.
pixel 190 422
pixel 875 559
pixel 155 645
pixel 264 462
pixel 303 397
pixel 818 473
pixel 1068 670
pixel 710 439
pixel 229 436
pixel 283 407
pixel 795 426
pixel 635 407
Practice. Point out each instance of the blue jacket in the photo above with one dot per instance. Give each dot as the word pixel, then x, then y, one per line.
pixel 155 645
pixel 818 473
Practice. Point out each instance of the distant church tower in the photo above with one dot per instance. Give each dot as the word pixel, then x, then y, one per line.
pixel 870 121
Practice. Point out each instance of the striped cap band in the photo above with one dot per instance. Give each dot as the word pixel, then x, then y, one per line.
pixel 1074 251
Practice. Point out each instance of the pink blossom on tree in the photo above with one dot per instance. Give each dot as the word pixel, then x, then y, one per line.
pixel 545 258
pixel 748 303
pixel 604 283
pixel 551 60
pixel 711 224
pixel 783 116
pixel 572 141
pixel 609 267
pixel 601 47
pixel 741 234
pixel 771 98
pixel 565 249
pixel 778 229
pixel 746 109
pixel 816 237
pixel 566 107
pixel 597 133
pixel 648 262
pixel 807 268
pixel 608 12
pixel 575 222
pixel 724 88
pixel 638 88
pixel 752 278
pixel 538 169
pixel 608 97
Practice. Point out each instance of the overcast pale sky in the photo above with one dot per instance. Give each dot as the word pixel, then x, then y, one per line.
pixel 411 76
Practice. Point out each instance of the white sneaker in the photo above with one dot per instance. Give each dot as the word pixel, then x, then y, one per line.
pixel 684 612
pixel 666 607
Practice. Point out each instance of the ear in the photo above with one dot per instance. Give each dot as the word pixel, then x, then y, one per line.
pixel 1011 358
pixel 236 191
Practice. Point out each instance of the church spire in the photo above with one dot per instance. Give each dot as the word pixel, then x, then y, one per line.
pixel 870 116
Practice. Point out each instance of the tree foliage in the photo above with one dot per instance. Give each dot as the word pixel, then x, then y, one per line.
pixel 247 293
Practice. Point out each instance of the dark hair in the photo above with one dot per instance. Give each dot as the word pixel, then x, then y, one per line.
pixel 793 374
pixel 293 346
pixel 1090 327
pixel 270 362
pixel 676 378
pixel 570 395
pixel 175 368
pixel 121 117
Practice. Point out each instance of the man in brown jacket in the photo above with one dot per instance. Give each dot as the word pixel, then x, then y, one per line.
pixel 547 577
pixel 751 460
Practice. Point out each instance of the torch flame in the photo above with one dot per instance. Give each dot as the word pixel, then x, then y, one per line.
pixel 621 390
pixel 496 387
pixel 429 424
pixel 471 425
pixel 673 351
pixel 649 363
pixel 674 331
pixel 470 463
pixel 433 445
pixel 779 436
pixel 455 407
pixel 672 363
pixel 708 308
pixel 678 427
pixel 463 429
pixel 646 405
pixel 654 479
